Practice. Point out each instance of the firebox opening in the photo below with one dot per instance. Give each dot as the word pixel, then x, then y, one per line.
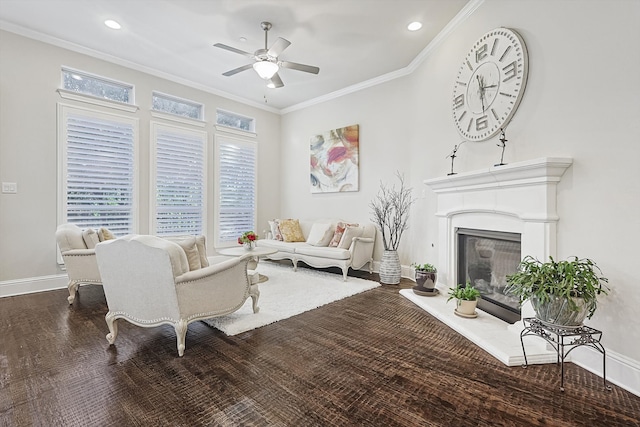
pixel 485 258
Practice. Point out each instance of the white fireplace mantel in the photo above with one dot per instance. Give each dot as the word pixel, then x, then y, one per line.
pixel 515 198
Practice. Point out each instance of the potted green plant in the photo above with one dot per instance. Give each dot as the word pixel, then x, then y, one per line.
pixel 426 276
pixel 466 299
pixel 561 292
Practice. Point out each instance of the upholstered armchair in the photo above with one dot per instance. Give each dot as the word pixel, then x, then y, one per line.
pixel 147 282
pixel 79 259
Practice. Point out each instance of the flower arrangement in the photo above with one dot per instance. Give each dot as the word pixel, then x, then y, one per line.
pixel 247 237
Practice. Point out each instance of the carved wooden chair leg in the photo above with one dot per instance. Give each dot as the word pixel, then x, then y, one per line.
pixel 181 335
pixel 73 289
pixel 113 327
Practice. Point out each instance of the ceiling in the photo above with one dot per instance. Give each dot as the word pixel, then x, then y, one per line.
pixel 352 41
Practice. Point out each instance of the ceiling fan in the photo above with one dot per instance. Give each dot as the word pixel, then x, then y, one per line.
pixel 266 60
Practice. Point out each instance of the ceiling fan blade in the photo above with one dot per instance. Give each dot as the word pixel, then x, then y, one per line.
pixel 275 81
pixel 234 50
pixel 237 70
pixel 299 67
pixel 278 47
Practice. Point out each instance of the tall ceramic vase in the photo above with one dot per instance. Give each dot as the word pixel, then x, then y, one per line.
pixel 390 268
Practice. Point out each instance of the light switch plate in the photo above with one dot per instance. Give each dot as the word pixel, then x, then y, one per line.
pixel 9 187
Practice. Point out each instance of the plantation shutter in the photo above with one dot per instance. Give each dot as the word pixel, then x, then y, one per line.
pixel 99 179
pixel 179 181
pixel 237 189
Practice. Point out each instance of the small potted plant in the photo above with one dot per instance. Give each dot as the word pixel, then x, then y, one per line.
pixel 426 277
pixel 248 240
pixel 466 299
pixel 561 292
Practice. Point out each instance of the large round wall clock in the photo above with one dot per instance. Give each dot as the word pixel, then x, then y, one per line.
pixel 490 84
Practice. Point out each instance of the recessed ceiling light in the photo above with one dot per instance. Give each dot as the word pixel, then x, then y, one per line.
pixel 112 24
pixel 414 26
pixel 243 39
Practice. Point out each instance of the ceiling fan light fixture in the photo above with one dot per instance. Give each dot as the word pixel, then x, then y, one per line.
pixel 265 69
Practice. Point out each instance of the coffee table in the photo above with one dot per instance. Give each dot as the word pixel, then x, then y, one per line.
pixel 253 264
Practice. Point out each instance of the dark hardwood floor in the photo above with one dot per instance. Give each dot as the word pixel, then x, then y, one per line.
pixel 374 359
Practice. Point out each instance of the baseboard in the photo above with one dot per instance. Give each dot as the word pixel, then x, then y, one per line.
pixel 30 285
pixel 621 370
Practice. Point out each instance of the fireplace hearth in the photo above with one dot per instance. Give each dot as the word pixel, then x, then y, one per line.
pixel 515 199
pixel 485 258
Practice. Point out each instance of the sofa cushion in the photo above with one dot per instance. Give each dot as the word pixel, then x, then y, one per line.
pixel 201 244
pixel 280 246
pixel 337 235
pixel 188 245
pixel 275 230
pixel 323 252
pixel 320 234
pixel 349 233
pixel 105 234
pixel 90 238
pixel 290 229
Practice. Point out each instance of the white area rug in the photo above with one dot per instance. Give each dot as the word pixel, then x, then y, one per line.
pixel 288 293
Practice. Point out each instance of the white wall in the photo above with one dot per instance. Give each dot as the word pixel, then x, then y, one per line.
pixel 581 101
pixel 28 147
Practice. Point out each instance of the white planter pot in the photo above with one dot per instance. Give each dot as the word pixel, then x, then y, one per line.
pixel 390 269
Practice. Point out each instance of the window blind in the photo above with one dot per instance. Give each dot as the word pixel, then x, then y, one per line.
pixel 179 181
pixel 237 189
pixel 99 173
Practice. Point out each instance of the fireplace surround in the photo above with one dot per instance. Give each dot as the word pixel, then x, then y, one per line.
pixel 517 198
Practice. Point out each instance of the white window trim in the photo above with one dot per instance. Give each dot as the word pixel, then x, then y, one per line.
pixel 178 119
pixel 90 99
pixel 235 131
pixel 62 113
pixel 218 139
pixel 153 132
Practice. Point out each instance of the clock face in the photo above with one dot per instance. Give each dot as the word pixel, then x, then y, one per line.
pixel 490 84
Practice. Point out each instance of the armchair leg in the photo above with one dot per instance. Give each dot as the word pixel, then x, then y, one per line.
pixel 371 266
pixel 73 289
pixel 295 264
pixel 181 335
pixel 113 327
pixel 254 292
pixel 345 271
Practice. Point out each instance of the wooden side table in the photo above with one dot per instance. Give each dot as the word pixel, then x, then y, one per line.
pixel 564 340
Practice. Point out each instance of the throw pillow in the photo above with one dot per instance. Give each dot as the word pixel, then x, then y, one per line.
pixel 105 234
pixel 275 230
pixel 347 237
pixel 320 234
pixel 90 238
pixel 188 245
pixel 337 235
pixel 202 250
pixel 291 231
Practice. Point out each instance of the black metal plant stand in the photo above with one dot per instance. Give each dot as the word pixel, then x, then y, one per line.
pixel 560 337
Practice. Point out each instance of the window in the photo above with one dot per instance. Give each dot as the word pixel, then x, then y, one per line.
pixel 178 180
pixel 236 189
pixel 97 181
pixel 77 81
pixel 177 106
pixel 233 120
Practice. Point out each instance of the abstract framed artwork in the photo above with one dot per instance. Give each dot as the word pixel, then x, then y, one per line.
pixel 334 160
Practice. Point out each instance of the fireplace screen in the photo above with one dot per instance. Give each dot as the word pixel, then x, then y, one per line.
pixel 485 258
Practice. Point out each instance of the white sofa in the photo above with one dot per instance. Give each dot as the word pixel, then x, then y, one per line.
pixel 355 248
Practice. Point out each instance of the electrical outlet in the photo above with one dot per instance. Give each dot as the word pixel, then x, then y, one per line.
pixel 9 187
